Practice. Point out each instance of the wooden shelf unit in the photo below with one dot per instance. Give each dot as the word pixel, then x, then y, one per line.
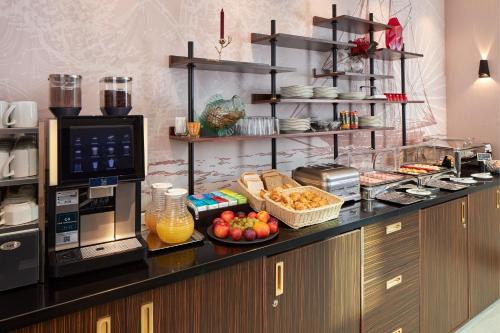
pixel 275 136
pixel 266 99
pixel 299 42
pixel 226 65
pixel 350 75
pixel 350 24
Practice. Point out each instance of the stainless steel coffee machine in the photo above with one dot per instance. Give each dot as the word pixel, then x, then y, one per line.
pixel 96 165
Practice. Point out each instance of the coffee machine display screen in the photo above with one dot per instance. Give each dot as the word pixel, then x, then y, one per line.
pixel 93 148
pixel 101 149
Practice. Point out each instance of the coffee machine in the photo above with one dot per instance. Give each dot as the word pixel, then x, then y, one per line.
pixel 96 165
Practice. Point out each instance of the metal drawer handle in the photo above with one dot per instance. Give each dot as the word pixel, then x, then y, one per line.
pixel 399 330
pixel 279 278
pixel 393 228
pixel 463 215
pixel 147 318
pixel 394 282
pixel 104 325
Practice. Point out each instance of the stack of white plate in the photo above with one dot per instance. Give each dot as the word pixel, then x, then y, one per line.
pixel 353 95
pixel 326 92
pixel 370 121
pixel 295 125
pixel 297 91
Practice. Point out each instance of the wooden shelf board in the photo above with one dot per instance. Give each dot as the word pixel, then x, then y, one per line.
pixel 299 42
pixel 266 99
pixel 18 181
pixel 391 55
pixel 350 24
pixel 350 75
pixel 277 136
pixel 20 130
pixel 226 65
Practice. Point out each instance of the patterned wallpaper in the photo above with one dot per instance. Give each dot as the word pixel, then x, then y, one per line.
pixel 134 37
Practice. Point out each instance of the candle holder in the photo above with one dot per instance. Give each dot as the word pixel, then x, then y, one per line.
pixel 223 44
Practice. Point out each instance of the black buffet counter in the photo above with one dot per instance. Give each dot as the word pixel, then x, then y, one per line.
pixel 28 305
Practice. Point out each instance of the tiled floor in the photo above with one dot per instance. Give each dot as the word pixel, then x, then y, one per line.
pixel 487 321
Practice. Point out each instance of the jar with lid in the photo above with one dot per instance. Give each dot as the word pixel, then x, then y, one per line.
pixel 176 224
pixel 156 206
pixel 115 95
pixel 65 91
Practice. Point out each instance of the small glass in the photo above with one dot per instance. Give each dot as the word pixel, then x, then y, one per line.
pixel 194 128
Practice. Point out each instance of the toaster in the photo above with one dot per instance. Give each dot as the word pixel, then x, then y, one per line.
pixel 333 178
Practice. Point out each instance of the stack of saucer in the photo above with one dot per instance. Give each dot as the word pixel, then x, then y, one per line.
pixel 295 125
pixel 370 121
pixel 326 92
pixel 352 95
pixel 297 91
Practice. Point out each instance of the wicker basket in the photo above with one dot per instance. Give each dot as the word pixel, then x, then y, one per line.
pixel 298 219
pixel 256 202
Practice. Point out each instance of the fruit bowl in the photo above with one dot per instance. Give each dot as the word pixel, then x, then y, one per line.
pixel 241 228
pixel 228 240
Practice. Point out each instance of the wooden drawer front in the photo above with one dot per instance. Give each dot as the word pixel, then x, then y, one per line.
pixel 392 302
pixel 389 245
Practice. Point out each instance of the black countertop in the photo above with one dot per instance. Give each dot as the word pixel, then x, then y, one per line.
pixel 28 305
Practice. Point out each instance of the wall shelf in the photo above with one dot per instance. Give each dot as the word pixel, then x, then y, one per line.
pixel 20 130
pixel 226 65
pixel 350 75
pixel 350 24
pixel 266 99
pixel 299 42
pixel 391 55
pixel 276 136
pixel 18 181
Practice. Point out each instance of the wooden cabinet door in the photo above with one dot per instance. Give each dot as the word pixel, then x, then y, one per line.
pixel 315 288
pixel 484 249
pixel 444 282
pixel 226 300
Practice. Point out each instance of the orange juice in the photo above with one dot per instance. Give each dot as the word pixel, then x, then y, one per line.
pixel 151 219
pixel 175 230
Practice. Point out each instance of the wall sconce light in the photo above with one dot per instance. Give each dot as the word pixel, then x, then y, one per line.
pixel 484 69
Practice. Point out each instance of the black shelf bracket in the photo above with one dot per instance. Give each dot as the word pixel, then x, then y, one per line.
pixel 372 83
pixel 334 79
pixel 273 89
pixel 190 117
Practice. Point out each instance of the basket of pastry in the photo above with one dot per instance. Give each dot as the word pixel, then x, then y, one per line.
pixel 255 186
pixel 303 206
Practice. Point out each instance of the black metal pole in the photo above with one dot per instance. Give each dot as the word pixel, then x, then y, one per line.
pixel 190 117
pixel 334 79
pixel 403 105
pixel 273 90
pixel 372 83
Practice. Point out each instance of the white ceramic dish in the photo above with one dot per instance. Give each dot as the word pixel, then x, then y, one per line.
pixel 482 175
pixel 463 180
pixel 419 191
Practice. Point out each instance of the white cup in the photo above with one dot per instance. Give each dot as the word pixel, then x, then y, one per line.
pixel 18 213
pixel 4 106
pixel 4 161
pixel 21 114
pixel 22 162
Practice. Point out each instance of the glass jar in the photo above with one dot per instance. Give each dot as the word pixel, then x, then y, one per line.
pixel 176 224
pixel 65 91
pixel 115 95
pixel 156 206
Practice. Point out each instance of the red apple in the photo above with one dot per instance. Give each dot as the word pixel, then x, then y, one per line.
pixel 217 221
pixel 221 230
pixel 227 216
pixel 236 234
pixel 272 219
pixel 273 225
pixel 252 215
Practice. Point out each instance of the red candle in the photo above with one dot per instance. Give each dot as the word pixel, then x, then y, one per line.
pixel 222 23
